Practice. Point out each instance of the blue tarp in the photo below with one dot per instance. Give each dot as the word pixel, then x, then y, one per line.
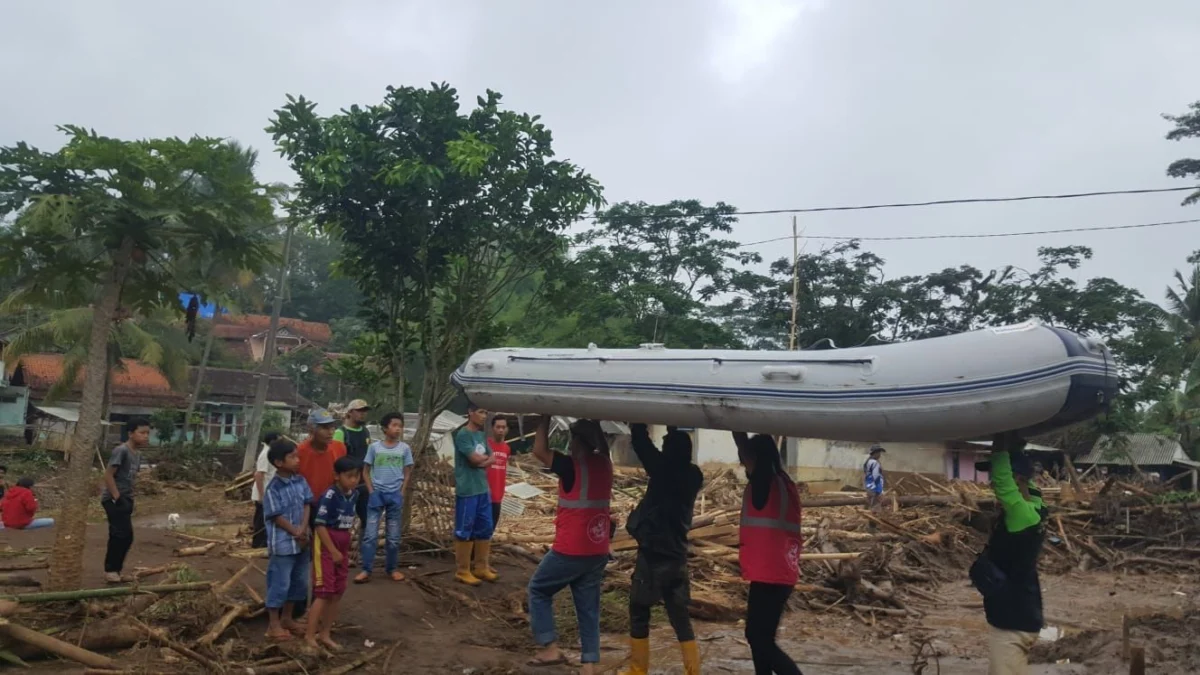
pixel 206 310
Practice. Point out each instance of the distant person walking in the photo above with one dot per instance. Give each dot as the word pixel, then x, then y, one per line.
pixel 354 435
pixel 472 501
pixel 582 541
pixel 498 471
pixel 264 471
pixel 769 554
pixel 873 478
pixel 123 467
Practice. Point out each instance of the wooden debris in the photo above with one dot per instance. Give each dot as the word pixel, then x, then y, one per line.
pixel 55 646
pixel 195 550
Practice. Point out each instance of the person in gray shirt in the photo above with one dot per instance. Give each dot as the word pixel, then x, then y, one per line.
pixel 123 467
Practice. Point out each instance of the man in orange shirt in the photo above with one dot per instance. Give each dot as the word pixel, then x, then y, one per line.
pixel 317 454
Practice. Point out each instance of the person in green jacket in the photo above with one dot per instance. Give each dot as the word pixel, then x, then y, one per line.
pixel 1014 611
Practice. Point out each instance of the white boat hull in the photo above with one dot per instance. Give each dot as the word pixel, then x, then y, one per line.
pixel 1027 377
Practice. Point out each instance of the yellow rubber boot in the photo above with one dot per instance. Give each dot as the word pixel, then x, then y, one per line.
pixel 483 558
pixel 639 657
pixel 691 657
pixel 462 555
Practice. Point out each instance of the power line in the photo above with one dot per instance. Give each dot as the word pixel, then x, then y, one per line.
pixel 937 202
pixel 986 235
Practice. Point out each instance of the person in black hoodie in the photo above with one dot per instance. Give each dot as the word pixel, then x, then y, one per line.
pixel 1006 572
pixel 660 524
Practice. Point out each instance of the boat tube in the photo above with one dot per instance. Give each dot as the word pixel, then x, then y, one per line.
pixel 1027 377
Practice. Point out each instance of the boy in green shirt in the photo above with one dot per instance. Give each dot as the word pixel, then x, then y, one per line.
pixel 472 500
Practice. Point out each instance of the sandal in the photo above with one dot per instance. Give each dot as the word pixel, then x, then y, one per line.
pixel 280 637
pixel 362 577
pixel 540 663
pixel 397 575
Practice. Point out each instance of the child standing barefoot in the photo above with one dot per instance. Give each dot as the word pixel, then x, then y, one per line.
pixel 331 550
pixel 286 501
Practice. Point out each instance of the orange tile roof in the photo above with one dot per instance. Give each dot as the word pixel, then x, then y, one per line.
pixel 243 326
pixel 135 381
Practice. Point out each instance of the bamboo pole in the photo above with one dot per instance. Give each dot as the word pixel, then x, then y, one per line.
pixel 92 593
pixel 55 646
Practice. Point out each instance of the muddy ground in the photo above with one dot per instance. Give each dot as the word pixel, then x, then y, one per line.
pixel 443 636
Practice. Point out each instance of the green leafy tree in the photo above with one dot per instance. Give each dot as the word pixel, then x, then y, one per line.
pixel 441 214
pixel 105 222
pixel 1187 126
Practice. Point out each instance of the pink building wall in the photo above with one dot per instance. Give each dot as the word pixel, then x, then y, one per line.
pixel 965 460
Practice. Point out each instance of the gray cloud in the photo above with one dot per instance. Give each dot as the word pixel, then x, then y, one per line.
pixel 773 103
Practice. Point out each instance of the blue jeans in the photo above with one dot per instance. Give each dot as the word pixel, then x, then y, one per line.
pixel 473 517
pixel 287 579
pixel 386 505
pixel 584 574
pixel 40 522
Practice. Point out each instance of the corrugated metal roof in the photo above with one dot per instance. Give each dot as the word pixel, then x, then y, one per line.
pixel 1145 449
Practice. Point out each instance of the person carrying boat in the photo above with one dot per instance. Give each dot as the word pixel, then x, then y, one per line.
pixel 769 551
pixel 1006 571
pixel 660 524
pixel 582 538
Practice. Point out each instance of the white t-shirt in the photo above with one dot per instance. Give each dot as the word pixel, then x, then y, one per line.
pixel 267 468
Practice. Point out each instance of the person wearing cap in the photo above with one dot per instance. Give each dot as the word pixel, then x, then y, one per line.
pixel 472 500
pixel 582 538
pixel 1006 572
pixel 354 435
pixel 873 477
pixel 317 454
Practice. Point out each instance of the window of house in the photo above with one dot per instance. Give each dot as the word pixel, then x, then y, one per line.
pixel 229 424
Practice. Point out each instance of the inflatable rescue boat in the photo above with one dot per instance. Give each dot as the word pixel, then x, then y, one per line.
pixel 1027 377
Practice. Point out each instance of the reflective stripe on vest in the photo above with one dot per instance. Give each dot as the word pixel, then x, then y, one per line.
pixel 780 522
pixel 581 482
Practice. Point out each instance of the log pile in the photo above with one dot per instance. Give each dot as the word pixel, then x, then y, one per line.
pixel 889 563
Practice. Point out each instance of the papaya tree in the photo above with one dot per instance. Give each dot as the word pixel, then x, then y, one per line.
pixel 107 222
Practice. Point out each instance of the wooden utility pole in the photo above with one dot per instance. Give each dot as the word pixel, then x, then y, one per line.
pixel 254 427
pixel 792 333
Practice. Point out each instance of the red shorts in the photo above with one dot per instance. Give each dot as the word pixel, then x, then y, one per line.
pixel 329 578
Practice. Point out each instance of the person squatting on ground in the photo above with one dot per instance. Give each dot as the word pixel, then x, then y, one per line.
pixel 317 454
pixel 498 471
pixel 1006 571
pixel 873 478
pixel 354 435
pixel 385 473
pixel 472 503
pixel 331 551
pixel 18 507
pixel 769 550
pixel 263 473
pixel 660 524
pixel 582 536
pixel 287 501
pixel 117 500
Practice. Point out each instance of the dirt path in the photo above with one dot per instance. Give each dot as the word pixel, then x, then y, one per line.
pixel 443 635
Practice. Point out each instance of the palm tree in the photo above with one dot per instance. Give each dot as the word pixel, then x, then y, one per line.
pixel 154 339
pixel 1182 315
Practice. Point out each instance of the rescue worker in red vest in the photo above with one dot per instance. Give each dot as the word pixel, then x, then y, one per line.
pixel 582 535
pixel 769 552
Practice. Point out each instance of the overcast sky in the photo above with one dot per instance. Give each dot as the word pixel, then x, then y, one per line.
pixel 760 103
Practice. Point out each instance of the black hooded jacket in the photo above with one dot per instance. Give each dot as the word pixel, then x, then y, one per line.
pixel 661 521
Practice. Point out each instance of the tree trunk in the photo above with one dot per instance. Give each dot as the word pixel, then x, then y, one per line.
pixel 66 563
pixel 195 398
pixel 254 428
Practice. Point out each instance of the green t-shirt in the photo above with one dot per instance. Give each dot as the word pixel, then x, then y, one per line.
pixel 468 480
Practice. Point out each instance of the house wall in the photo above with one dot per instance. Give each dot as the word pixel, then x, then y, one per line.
pixel 14 404
pixel 815 459
pixel 964 462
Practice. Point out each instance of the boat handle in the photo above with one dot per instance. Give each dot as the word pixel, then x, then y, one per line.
pixel 783 372
pixel 484 365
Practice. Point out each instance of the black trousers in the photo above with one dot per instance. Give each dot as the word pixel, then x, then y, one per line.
pixel 258 528
pixel 495 514
pixel 360 506
pixel 120 532
pixel 764 609
pixel 660 580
